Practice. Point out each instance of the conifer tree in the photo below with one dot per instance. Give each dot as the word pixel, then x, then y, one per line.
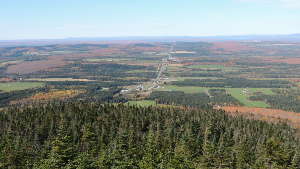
pixel 296 160
pixel 149 159
pixel 119 157
pixel 273 155
pixel 62 151
pixel 208 159
pixel 242 155
pixel 181 158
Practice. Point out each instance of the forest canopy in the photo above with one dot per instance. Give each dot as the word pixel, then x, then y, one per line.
pixel 95 135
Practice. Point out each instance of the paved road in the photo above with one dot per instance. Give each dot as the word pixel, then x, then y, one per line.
pixel 162 68
pixel 157 81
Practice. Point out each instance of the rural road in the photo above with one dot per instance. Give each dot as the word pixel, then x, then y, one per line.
pixel 162 67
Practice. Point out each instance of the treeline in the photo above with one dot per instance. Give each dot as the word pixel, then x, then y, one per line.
pixel 221 97
pixel 202 74
pixel 101 94
pixel 234 83
pixel 103 72
pixel 93 135
pixel 285 99
pixel 180 98
pixel 7 97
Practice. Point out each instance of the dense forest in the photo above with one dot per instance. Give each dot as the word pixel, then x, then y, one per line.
pixel 95 135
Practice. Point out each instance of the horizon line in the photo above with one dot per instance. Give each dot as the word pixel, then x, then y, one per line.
pixel 146 36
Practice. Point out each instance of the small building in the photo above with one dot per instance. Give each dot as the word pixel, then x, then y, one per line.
pixel 124 90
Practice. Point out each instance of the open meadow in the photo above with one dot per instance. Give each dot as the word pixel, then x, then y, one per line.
pixel 15 86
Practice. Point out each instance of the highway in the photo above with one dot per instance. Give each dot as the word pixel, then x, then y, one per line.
pixel 162 67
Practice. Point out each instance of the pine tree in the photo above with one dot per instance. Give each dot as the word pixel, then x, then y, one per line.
pixel 224 155
pixel 296 160
pixel 243 156
pixel 273 155
pixel 181 158
pixel 12 155
pixel 149 159
pixel 208 160
pixel 119 157
pixel 83 161
pixel 62 151
pixel 88 140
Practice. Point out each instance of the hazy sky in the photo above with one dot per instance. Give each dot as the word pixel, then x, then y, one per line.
pixel 36 19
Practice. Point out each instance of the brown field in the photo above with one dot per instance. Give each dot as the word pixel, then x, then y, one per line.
pixel 34 66
pixel 148 49
pixel 220 47
pixel 6 79
pixel 55 94
pixel 296 80
pixel 284 60
pixel 205 63
pixel 177 64
pixel 183 52
pixel 271 115
pixel 59 94
pixel 55 61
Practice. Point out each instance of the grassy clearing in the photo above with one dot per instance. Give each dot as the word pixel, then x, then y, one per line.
pixel 2 64
pixel 212 67
pixel 58 80
pixel 143 103
pixel 14 86
pixel 183 52
pixel 106 59
pixel 171 68
pixel 243 96
pixel 140 71
pixel 200 78
pixel 185 89
pixel 267 91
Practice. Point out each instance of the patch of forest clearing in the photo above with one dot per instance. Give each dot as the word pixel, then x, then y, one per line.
pixel 265 114
pixel 241 94
pixel 15 86
pixel 50 95
pixel 58 80
pixel 143 103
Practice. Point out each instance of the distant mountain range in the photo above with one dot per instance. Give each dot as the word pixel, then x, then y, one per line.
pixel 37 42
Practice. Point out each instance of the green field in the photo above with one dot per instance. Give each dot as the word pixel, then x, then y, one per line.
pixel 10 62
pixel 14 86
pixel 243 96
pixel 212 67
pixel 143 103
pixel 107 59
pixel 174 68
pixel 240 94
pixel 140 71
pixel 186 89
pixel 200 78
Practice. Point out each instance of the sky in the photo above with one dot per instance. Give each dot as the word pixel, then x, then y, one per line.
pixel 52 19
